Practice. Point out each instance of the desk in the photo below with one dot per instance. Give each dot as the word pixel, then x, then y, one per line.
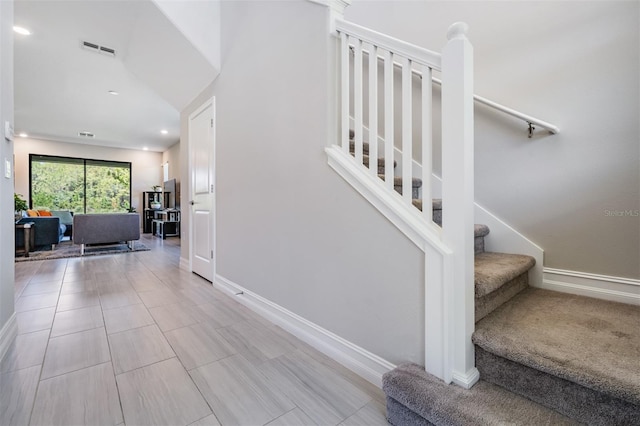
pixel 29 232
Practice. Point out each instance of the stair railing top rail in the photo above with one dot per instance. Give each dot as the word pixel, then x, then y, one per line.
pixel 530 120
pixel 416 53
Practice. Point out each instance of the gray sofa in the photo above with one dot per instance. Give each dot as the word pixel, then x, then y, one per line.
pixel 105 228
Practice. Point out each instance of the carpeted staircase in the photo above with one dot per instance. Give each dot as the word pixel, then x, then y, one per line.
pixel 544 357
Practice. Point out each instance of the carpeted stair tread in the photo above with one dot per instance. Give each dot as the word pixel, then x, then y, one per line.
pixel 493 270
pixel 438 403
pixel 381 161
pixel 480 230
pixel 397 181
pixel 594 343
pixel 436 203
pixel 365 147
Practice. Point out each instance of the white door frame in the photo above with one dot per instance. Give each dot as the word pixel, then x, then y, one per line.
pixel 212 102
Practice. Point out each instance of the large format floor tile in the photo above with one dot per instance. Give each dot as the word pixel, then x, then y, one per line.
pixel 132 339
pixel 37 301
pixel 295 417
pixel 219 314
pixel 114 298
pixel 41 288
pixel 126 318
pixel 78 300
pixel 39 319
pixel 372 414
pixel 138 347
pixel 198 344
pixel 84 397
pixel 27 350
pixel 330 400
pixel 17 392
pixel 160 394
pixel 255 342
pixel 238 394
pixel 210 420
pixel 75 351
pixel 76 320
pixel 170 317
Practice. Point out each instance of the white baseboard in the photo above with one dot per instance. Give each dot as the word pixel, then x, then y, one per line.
pixel 7 334
pixel 184 264
pixel 360 361
pixel 468 379
pixel 605 287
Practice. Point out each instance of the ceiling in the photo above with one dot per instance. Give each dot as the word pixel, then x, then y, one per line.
pixel 62 89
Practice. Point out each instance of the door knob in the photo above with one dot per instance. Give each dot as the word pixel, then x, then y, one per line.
pixel 192 202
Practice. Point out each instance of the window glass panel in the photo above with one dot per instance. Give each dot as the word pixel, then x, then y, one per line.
pixel 80 185
pixel 107 188
pixel 57 185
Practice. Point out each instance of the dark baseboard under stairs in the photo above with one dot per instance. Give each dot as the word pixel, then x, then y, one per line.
pixel 544 357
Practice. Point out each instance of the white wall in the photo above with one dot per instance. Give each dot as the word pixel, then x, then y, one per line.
pixel 289 228
pixel 146 168
pixel 7 230
pixel 172 156
pixel 575 64
pixel 199 23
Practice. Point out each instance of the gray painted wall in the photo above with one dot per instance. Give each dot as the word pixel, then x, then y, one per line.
pixel 6 154
pixel 575 64
pixel 289 228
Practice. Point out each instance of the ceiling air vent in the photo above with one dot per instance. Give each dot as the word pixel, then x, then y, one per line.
pixel 86 134
pixel 98 49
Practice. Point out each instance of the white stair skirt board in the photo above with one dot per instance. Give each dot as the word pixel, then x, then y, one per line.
pixel 504 239
pixel 605 287
pixel 362 362
pixel 7 334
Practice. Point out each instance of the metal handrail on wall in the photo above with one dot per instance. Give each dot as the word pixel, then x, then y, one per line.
pixel 531 121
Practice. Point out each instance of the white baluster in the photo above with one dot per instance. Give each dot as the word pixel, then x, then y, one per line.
pixel 344 76
pixel 357 99
pixel 373 110
pixel 388 119
pixel 407 131
pixel 427 142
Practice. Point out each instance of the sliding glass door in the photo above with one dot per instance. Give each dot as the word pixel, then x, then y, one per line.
pixel 79 185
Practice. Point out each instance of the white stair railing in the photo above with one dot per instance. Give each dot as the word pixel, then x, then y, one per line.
pixel 449 281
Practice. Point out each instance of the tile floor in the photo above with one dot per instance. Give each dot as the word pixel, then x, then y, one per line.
pixel 131 339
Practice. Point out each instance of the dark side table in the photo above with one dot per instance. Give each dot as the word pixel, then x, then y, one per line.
pixel 29 232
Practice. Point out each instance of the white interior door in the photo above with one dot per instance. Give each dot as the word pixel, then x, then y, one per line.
pixel 201 155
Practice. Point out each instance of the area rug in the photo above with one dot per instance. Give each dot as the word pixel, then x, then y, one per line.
pixel 67 249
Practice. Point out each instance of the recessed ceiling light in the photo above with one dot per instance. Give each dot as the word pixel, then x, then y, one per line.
pixel 145 149
pixel 23 135
pixel 21 30
pixel 164 132
pixel 113 92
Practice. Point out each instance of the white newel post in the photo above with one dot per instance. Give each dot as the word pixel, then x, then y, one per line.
pixel 457 198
